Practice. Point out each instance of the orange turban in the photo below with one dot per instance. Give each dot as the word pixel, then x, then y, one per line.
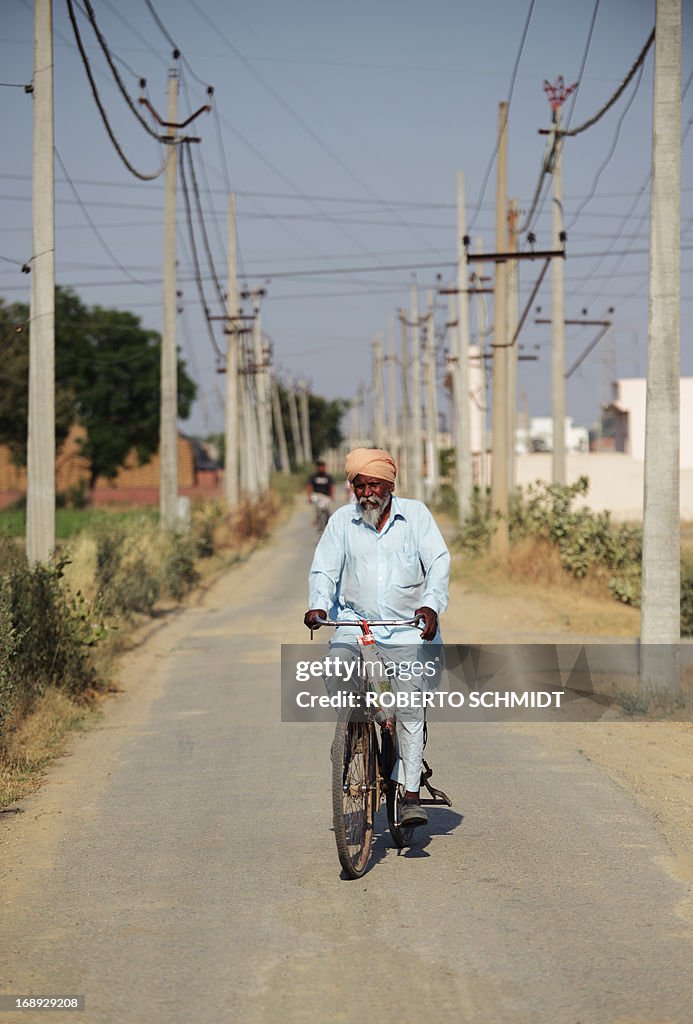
pixel 371 461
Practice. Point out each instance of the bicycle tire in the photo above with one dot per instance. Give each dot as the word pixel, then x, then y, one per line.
pixel 353 791
pixel 401 837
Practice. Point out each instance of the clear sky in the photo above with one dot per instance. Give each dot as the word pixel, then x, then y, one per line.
pixel 343 127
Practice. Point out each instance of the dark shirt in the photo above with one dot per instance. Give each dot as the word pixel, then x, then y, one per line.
pixel 321 483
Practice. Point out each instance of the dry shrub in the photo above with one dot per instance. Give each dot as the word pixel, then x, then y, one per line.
pixel 30 742
pixel 253 520
pixel 536 560
pixel 80 569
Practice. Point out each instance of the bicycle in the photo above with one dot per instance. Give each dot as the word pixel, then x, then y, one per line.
pixel 322 511
pixel 362 766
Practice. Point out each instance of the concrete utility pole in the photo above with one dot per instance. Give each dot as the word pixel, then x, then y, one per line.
pixel 231 477
pixel 40 513
pixel 405 415
pixel 279 429
pixel 499 478
pixel 416 483
pixel 250 479
pixel 391 359
pixel 168 431
pixel 460 369
pixel 262 394
pixel 482 326
pixel 558 313
pixel 513 292
pixel 299 454
pixel 432 476
pixel 378 394
pixel 305 421
pixel 661 565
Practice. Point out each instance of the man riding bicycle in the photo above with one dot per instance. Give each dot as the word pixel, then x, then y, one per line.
pixel 384 558
pixel 320 488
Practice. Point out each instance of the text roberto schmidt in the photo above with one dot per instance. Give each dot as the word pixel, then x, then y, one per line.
pixel 425 699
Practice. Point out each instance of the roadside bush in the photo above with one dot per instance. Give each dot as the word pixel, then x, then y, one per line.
pixel 178 572
pixel 136 564
pixel 475 536
pixel 125 574
pixel 8 646
pixel 446 500
pixel 47 633
pixel 588 542
pixel 687 596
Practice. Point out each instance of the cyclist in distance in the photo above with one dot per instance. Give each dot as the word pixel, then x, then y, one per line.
pixel 384 558
pixel 320 483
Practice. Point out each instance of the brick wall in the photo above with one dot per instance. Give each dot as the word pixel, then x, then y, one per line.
pixel 71 469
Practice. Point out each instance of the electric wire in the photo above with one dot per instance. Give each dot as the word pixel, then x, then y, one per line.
pixel 626 217
pixel 118 80
pixel 609 155
pixel 287 107
pixel 511 87
pixel 195 256
pixel 101 240
pixel 97 99
pixel 639 63
pixel 171 41
pixel 539 199
pixel 215 218
pixel 203 227
pixel 335 120
pixel 135 32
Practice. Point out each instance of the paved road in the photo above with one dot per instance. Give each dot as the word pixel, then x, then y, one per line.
pixel 179 866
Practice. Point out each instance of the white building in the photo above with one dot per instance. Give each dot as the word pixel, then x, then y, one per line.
pixel 628 410
pixel 538 437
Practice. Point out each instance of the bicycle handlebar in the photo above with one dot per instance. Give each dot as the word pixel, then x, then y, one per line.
pixel 369 622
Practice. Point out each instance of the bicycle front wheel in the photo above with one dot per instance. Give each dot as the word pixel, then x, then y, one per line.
pixel 353 791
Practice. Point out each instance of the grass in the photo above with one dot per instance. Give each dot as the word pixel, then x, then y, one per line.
pixel 70 522
pixel 553 600
pixel 37 740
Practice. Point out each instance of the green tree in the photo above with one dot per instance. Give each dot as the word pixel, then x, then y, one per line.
pixel 325 418
pixel 107 380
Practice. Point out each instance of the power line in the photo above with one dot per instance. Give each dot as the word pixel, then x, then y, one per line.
pixel 116 74
pixel 508 99
pixel 539 199
pixel 289 109
pixel 625 220
pixel 203 228
pixel 193 249
pixel 100 106
pixel 609 155
pixel 639 62
pixel 102 241
pixel 333 119
pixel 135 32
pixel 168 37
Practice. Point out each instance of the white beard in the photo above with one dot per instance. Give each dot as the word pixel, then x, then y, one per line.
pixel 372 509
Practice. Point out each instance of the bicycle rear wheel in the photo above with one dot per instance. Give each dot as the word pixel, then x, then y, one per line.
pixel 353 791
pixel 401 836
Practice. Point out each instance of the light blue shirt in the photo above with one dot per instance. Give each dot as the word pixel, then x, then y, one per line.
pixel 360 573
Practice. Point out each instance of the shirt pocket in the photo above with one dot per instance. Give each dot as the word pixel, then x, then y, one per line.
pixel 408 571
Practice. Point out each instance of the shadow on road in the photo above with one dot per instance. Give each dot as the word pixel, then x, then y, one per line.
pixel 441 822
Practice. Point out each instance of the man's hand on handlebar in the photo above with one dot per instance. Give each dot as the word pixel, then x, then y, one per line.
pixel 314 617
pixel 430 619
